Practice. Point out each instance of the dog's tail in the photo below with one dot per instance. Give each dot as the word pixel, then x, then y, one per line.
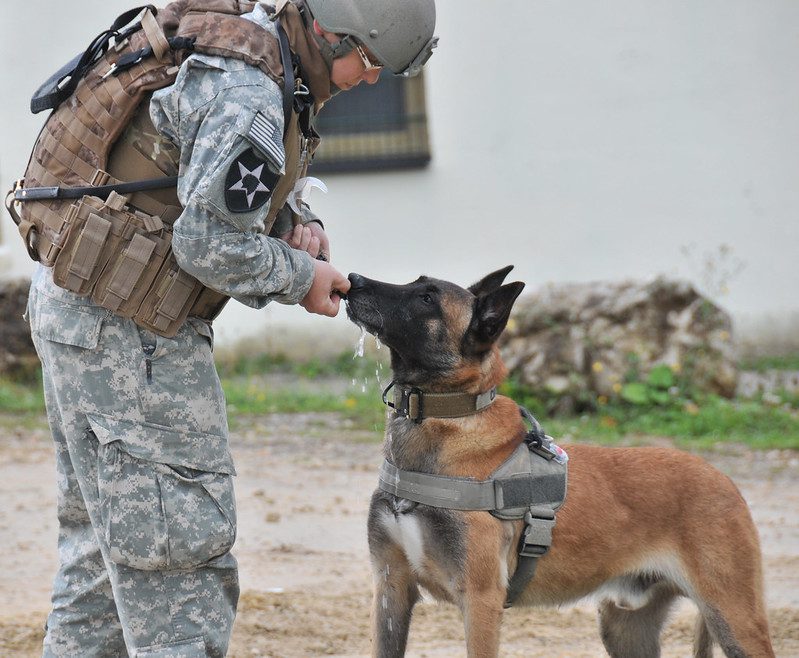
pixel 703 640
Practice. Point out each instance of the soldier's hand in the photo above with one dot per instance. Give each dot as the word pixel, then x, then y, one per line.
pixel 324 297
pixel 324 243
pixel 302 237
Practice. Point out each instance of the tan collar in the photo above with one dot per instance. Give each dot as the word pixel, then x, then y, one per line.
pixel 314 71
pixel 417 405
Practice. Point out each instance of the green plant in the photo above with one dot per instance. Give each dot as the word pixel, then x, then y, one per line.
pixel 764 363
pixel 656 389
pixel 21 397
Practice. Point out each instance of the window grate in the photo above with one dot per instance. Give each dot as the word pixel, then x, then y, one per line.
pixel 381 126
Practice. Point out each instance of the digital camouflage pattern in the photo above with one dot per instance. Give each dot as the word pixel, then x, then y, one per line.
pixel 209 111
pixel 145 492
pixel 146 508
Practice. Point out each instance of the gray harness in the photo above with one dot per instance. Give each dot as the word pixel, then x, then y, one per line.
pixel 529 485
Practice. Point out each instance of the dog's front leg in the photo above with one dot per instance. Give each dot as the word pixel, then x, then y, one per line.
pixel 395 585
pixel 485 581
pixel 395 594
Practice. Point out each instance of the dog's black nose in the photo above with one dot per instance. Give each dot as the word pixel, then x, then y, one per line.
pixel 357 281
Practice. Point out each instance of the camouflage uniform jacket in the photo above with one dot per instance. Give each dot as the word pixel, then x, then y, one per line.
pixel 208 112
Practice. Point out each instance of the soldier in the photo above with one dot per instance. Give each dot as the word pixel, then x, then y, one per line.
pixel 168 178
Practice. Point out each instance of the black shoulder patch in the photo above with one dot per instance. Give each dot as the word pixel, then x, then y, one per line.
pixel 249 182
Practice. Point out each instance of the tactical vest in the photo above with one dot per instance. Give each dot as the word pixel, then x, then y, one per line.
pixel 113 246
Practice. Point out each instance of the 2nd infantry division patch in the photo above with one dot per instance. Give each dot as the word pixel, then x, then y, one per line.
pixel 249 182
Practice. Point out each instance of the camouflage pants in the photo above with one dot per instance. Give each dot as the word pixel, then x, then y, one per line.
pixel 145 496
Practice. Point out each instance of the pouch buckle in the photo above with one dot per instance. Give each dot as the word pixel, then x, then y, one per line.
pixel 12 201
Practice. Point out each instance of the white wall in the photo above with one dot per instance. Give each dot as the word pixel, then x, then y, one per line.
pixel 575 139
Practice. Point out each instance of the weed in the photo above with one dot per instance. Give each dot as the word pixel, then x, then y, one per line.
pixel 21 397
pixel 764 363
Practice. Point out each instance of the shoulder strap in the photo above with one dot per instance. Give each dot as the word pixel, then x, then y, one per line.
pixel 288 75
pixel 63 82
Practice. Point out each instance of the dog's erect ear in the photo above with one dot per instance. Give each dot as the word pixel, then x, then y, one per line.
pixel 490 283
pixel 491 314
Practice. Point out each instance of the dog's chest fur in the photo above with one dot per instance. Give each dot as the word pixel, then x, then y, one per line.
pixel 433 541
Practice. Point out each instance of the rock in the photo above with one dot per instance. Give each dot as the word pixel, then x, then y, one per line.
pixel 17 354
pixel 587 340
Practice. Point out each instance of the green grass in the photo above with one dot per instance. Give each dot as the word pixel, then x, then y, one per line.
pixel 21 398
pixel 703 425
pixel 253 388
pixel 763 363
pixel 342 365
pixel 255 396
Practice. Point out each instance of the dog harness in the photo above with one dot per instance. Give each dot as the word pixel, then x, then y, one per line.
pixel 529 485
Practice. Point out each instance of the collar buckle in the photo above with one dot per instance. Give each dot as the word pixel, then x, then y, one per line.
pixel 407 402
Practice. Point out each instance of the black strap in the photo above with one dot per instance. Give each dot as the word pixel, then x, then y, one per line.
pixel 533 544
pixel 525 570
pixel 288 75
pixel 63 82
pixel 101 191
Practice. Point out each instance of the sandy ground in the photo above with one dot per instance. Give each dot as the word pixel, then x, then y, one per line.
pixel 303 489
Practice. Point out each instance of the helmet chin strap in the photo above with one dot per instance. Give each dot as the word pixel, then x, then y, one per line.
pixel 332 51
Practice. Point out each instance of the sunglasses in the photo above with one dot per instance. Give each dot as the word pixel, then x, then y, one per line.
pixel 369 64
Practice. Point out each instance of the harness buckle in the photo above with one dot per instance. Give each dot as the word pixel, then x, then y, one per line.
pixel 537 536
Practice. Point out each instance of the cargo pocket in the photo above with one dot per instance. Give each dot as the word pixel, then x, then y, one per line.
pixel 159 515
pixel 79 326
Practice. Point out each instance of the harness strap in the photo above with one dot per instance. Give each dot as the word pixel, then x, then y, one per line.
pixel 155 35
pixel 495 494
pixel 417 405
pixel 533 544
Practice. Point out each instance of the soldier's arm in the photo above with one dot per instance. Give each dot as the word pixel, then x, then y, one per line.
pixel 226 180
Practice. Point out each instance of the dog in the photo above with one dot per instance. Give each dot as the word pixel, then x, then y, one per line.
pixel 639 527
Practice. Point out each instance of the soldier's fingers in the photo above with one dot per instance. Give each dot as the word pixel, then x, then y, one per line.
pixel 341 283
pixel 333 305
pixel 314 246
pixel 294 237
pixel 305 238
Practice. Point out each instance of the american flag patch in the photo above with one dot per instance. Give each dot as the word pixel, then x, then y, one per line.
pixel 269 139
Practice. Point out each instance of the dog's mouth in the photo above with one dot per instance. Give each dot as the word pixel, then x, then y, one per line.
pixel 363 314
pixel 360 306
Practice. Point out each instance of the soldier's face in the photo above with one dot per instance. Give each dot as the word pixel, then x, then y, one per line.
pixel 350 70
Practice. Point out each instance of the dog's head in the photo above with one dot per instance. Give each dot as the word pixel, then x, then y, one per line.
pixel 433 328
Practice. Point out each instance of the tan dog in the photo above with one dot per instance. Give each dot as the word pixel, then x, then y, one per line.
pixel 639 527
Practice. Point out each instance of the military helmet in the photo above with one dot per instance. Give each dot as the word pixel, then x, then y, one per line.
pixel 398 32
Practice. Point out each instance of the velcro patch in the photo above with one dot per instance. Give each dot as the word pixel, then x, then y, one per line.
pixel 249 182
pixel 269 138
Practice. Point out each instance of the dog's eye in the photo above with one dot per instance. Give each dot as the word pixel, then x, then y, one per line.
pixel 427 298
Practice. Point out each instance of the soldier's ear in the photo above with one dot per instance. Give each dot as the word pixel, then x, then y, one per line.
pixel 490 316
pixel 490 282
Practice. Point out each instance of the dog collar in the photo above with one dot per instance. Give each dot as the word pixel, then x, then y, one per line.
pixel 416 405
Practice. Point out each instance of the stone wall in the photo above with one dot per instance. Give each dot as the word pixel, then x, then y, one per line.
pixel 582 341
pixel 16 348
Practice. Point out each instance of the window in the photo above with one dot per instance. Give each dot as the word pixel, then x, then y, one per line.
pixel 380 126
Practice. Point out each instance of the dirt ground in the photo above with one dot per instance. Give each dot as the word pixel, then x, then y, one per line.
pixel 303 488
